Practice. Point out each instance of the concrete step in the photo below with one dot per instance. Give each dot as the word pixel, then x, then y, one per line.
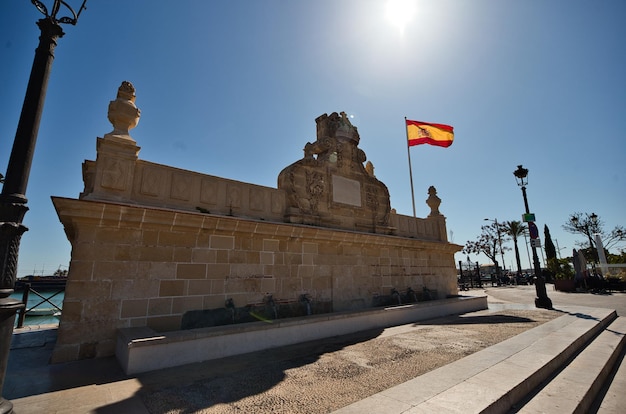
pixel 496 378
pixel 574 389
pixel 614 400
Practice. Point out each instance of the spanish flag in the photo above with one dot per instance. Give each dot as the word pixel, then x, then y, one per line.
pixel 426 133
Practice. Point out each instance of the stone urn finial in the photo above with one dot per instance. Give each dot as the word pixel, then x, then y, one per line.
pixel 433 202
pixel 123 114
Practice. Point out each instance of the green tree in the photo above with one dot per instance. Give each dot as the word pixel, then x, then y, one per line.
pixel 551 259
pixel 60 272
pixel 564 267
pixel 489 243
pixel 549 245
pixel 588 225
pixel 616 258
pixel 515 229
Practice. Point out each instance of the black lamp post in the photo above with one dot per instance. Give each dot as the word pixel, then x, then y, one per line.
pixel 13 197
pixel 542 300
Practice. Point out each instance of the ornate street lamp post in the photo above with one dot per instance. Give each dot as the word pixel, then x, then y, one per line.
pixel 13 197
pixel 542 300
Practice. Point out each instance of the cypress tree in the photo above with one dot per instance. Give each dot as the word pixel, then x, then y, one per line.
pixel 550 249
pixel 554 267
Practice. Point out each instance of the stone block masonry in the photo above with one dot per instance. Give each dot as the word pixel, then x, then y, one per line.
pixel 150 286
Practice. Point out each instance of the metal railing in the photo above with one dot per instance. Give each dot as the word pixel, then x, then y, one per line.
pixel 27 291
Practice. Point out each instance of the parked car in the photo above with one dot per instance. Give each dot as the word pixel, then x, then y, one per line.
pixel 524 279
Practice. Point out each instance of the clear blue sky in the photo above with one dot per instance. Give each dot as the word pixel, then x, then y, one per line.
pixel 232 88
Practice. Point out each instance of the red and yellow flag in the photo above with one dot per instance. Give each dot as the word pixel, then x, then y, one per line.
pixel 426 133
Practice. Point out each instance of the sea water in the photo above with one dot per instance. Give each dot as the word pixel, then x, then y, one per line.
pixel 34 302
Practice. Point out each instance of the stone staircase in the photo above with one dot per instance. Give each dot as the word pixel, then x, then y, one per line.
pixel 576 387
pixel 572 364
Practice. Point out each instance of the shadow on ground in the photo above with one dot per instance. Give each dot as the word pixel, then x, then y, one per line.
pixel 193 387
pixel 29 371
pixel 479 319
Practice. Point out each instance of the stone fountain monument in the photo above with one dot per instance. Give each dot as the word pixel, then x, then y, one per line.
pixel 153 244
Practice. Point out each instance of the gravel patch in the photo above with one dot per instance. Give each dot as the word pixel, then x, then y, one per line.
pixel 322 376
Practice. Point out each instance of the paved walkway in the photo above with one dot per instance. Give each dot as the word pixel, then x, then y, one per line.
pixel 100 386
pixel 526 295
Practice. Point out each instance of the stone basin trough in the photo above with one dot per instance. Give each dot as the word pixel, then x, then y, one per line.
pixel 143 349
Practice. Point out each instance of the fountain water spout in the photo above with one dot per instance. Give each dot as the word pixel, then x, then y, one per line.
pixel 304 298
pixel 396 296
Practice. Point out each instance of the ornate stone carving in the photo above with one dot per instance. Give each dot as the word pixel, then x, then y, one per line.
pixel 315 186
pixel 150 181
pixel 318 147
pixel 372 198
pixel 114 174
pixel 123 114
pixel 314 189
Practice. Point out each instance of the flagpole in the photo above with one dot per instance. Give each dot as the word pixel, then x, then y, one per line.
pixel 410 169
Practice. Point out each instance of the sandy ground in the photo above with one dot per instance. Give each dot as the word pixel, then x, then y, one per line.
pixel 322 376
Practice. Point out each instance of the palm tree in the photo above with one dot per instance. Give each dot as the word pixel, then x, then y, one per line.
pixel 515 229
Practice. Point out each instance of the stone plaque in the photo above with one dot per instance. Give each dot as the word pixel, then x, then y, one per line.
pixel 346 191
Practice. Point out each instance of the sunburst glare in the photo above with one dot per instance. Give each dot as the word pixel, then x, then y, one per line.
pixel 400 13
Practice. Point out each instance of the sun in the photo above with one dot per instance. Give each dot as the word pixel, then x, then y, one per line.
pixel 400 13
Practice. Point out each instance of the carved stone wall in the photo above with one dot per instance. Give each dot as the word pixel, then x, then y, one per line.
pixel 119 177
